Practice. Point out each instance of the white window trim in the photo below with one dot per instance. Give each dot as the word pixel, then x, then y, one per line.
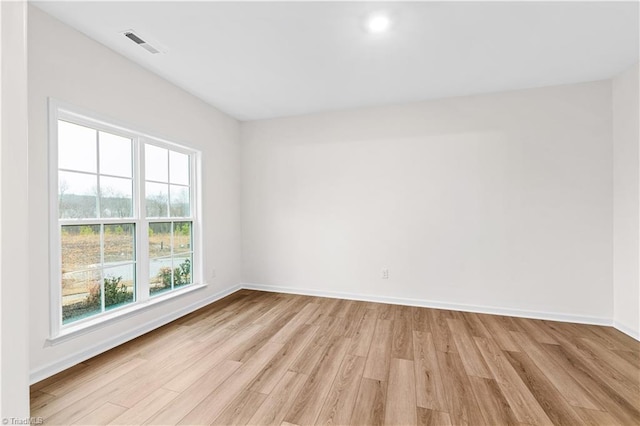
pixel 59 332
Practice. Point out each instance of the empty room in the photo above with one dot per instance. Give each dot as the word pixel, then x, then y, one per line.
pixel 300 213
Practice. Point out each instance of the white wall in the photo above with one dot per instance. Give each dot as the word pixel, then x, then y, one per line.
pixel 626 229
pixel 67 65
pixel 499 203
pixel 14 261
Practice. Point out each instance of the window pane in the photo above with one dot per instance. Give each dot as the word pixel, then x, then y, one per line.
pixel 80 295
pixel 115 155
pixel 156 166
pixel 181 237
pixel 182 270
pixel 179 167
pixel 157 197
pixel 119 286
pixel 179 201
pixel 77 195
pixel 76 147
pixel 119 243
pixel 159 239
pixel 116 199
pixel 80 247
pixel 160 275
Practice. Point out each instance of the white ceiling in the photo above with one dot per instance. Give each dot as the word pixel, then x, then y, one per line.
pixel 258 60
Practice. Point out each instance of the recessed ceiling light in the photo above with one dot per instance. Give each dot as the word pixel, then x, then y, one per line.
pixel 378 23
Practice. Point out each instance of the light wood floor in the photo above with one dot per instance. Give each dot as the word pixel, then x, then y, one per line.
pixel 266 358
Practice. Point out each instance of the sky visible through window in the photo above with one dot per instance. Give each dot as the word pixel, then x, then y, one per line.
pixel 166 174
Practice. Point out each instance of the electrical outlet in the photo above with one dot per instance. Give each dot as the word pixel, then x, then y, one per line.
pixel 213 273
pixel 385 274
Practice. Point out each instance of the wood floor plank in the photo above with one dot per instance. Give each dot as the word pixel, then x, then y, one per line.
pixel 370 403
pixel 277 307
pixel 624 409
pixel 215 403
pixel 387 312
pixel 240 410
pixel 72 374
pixel 402 336
pixel 194 394
pixel 67 402
pixel 213 335
pixel 475 327
pixel 352 319
pixel 595 417
pixel 566 385
pixel 270 358
pixel 615 339
pixel 273 372
pixel 251 346
pixel 429 386
pixel 285 332
pixel 312 353
pixel 440 331
pixel 207 326
pixel 377 366
pixel 520 399
pixel 420 318
pixel 247 316
pixel 310 400
pixel 493 405
pixel 550 399
pixel 623 386
pixel 471 359
pixel 275 407
pixel 169 338
pixel 428 417
pixel 72 381
pixel 39 399
pixel 499 333
pixel 102 415
pixel 340 308
pixel 535 329
pixel 131 388
pixel 361 340
pixel 631 357
pixel 146 408
pixel 562 331
pixel 620 365
pixel 339 404
pixel 461 404
pixel 401 394
pixel 326 307
pixel 182 381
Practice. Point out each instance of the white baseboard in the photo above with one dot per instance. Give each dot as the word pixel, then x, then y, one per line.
pixel 71 360
pixel 627 330
pixel 552 316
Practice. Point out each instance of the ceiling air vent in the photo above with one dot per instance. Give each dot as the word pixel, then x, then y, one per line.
pixel 141 42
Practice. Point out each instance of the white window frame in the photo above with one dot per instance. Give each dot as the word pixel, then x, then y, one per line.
pixel 60 332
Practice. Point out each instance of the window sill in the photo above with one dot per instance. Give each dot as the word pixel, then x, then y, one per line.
pixel 73 331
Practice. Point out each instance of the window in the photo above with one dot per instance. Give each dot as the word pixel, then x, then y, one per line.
pixel 124 231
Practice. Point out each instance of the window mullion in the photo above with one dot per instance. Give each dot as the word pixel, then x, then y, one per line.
pixel 142 227
pixel 197 269
pixel 98 197
pixel 97 221
pixel 102 287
